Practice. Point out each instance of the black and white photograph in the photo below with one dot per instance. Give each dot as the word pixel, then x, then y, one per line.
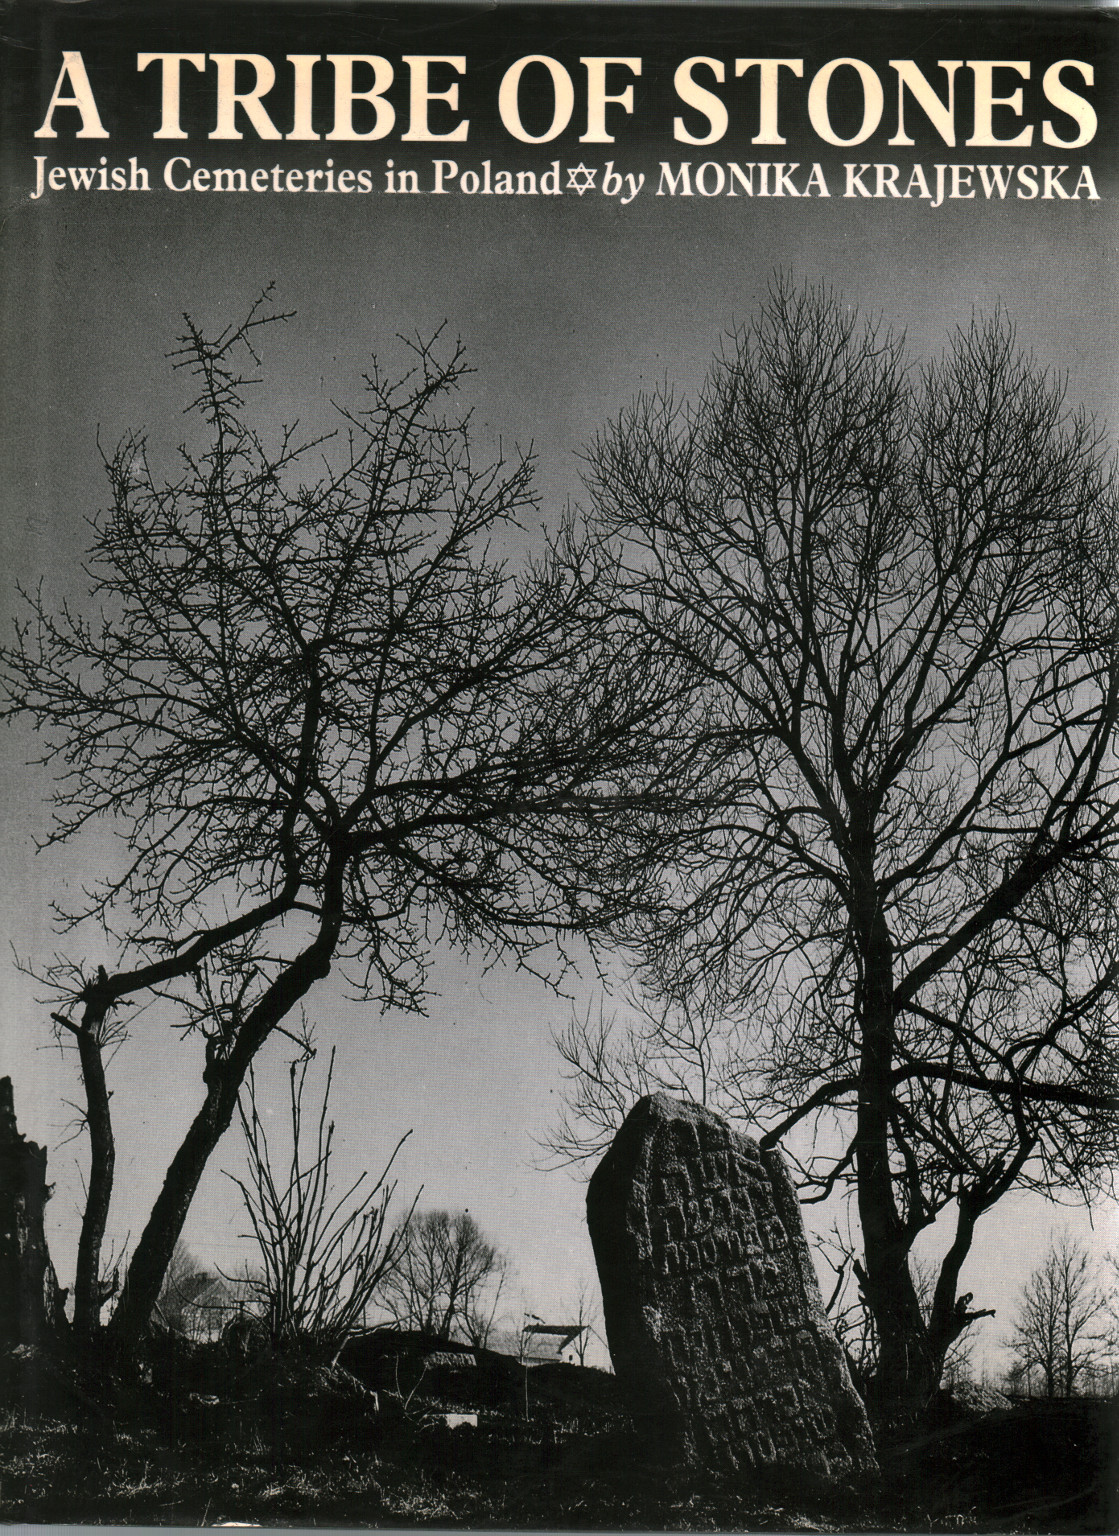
pixel 559 669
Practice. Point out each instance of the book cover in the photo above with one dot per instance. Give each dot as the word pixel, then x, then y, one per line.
pixel 552 555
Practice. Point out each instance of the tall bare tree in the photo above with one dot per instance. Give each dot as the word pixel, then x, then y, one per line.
pixel 895 589
pixel 1060 1325
pixel 328 723
pixel 447 1277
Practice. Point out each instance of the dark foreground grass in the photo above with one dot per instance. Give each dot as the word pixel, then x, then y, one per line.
pixel 417 1474
pixel 56 1472
pixel 199 1437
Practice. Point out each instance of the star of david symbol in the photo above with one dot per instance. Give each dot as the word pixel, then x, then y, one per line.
pixel 580 178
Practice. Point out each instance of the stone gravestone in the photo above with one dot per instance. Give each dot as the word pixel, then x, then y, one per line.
pixel 713 1314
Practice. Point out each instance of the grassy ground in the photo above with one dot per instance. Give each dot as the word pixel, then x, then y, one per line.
pixel 54 1472
pixel 319 1453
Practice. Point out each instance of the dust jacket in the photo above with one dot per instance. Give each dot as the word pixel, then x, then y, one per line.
pixel 552 225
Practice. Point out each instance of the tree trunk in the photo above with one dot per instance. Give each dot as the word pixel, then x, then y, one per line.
pixel 223 1077
pixel 168 1215
pixel 948 1317
pixel 30 1300
pixel 89 1294
pixel 905 1376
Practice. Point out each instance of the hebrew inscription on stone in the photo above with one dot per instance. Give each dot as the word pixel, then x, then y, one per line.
pixel 713 1315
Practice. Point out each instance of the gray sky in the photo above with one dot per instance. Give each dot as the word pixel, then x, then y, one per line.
pixel 567 306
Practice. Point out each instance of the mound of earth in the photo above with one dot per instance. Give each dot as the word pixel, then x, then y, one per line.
pixel 405 1365
pixel 1035 1465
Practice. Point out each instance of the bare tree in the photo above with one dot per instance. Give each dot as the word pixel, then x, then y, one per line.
pixel 328 724
pixel 854 1321
pixel 448 1277
pixel 193 1300
pixel 323 1254
pixel 1060 1326
pixel 613 1059
pixel 588 1317
pixel 895 590
pixel 1111 1307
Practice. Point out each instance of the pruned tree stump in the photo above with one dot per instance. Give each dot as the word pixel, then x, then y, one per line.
pixel 31 1303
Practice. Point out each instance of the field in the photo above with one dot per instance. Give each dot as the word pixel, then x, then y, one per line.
pixel 203 1435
